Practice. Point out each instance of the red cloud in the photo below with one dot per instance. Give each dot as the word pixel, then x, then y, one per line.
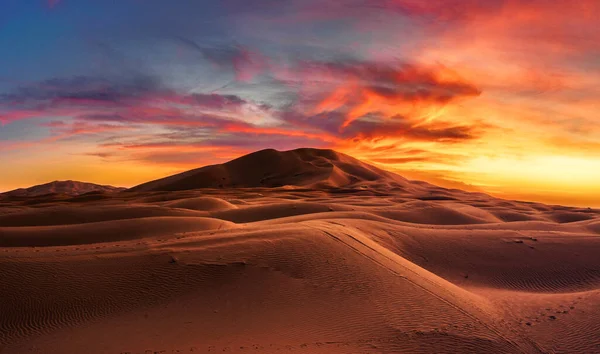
pixel 249 64
pixel 362 88
pixel 386 98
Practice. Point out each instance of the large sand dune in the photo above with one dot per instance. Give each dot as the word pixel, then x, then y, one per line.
pixel 363 263
pixel 272 168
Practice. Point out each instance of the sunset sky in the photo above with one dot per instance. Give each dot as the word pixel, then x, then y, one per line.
pixel 501 96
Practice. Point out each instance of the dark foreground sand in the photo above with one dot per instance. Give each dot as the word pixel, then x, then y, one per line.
pixel 378 268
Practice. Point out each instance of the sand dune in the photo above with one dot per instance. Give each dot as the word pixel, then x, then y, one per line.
pixel 62 187
pixel 380 265
pixel 106 231
pixel 272 168
pixel 202 204
pixel 66 214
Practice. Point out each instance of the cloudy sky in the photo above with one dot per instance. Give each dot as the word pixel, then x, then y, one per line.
pixel 494 95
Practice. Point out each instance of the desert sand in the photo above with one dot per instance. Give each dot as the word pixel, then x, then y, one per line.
pixel 308 251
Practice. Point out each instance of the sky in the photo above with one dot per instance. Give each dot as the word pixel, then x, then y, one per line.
pixel 501 96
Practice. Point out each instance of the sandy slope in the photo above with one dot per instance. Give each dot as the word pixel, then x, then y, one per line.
pixel 380 265
pixel 268 270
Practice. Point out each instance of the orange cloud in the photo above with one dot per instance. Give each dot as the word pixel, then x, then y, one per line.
pixel 389 90
pixel 241 128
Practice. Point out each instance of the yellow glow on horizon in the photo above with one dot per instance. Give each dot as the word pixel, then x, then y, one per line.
pixel 570 173
pixel 80 168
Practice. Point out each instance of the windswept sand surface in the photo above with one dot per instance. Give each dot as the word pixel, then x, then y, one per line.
pixel 288 269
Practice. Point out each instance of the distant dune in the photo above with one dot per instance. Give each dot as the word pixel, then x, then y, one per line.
pixel 71 188
pixel 307 251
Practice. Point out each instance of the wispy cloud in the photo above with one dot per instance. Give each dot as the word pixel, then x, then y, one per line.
pixel 375 106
